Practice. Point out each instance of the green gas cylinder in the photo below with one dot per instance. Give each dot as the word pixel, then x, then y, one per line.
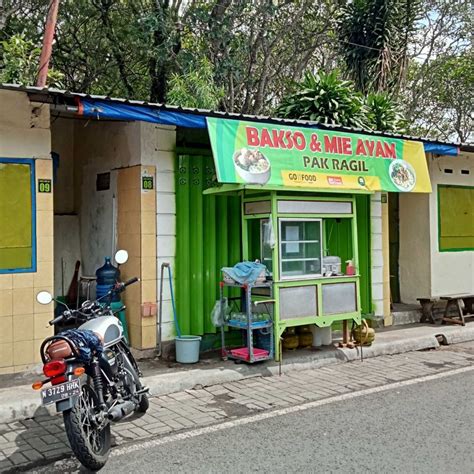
pixel 118 306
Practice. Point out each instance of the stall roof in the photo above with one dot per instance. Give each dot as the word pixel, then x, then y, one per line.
pixel 191 116
pixel 235 188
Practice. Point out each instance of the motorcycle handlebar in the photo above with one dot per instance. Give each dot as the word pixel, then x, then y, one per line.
pixel 118 289
pixel 130 282
pixel 56 320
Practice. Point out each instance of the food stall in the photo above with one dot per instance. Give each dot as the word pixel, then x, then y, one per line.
pixel 297 188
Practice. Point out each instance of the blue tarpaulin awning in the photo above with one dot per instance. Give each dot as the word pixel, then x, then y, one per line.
pixel 111 110
pixel 126 111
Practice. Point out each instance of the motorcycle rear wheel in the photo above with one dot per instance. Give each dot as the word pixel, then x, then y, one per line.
pixel 90 446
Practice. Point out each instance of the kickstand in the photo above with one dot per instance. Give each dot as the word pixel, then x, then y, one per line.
pixel 281 357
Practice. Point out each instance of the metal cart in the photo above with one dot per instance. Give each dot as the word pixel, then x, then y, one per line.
pixel 248 353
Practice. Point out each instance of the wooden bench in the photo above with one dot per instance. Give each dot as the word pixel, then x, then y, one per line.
pixel 463 305
pixel 427 315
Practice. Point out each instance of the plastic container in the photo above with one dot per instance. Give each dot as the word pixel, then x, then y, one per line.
pixel 326 335
pixel 187 349
pixel 107 275
pixel 243 353
pixel 350 269
pixel 317 336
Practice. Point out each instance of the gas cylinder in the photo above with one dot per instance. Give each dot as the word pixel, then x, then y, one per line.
pixel 305 336
pixel 107 275
pixel 290 339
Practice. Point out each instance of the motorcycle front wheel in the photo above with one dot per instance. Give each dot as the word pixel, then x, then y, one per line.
pixel 90 444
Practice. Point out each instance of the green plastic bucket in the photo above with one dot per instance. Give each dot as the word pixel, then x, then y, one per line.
pixel 187 349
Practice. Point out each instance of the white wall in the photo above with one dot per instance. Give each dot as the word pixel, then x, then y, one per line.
pixel 158 149
pixel 424 270
pixel 415 247
pixel 67 250
pixel 376 239
pixel 25 124
pixel 100 147
pixel 451 272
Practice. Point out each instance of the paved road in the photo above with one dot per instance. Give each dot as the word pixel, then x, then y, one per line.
pixel 427 427
pixel 405 427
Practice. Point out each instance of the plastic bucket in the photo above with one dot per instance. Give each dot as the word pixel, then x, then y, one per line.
pixel 187 349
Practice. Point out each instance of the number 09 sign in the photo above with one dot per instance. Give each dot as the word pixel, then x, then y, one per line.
pixel 44 186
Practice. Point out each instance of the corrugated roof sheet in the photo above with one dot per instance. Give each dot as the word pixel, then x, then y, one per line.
pixel 52 92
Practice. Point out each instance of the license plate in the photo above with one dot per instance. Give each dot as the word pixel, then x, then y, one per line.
pixel 56 393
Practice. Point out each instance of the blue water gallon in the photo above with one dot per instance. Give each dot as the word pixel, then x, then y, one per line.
pixel 107 276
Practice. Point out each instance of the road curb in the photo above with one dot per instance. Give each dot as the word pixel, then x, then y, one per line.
pixel 21 402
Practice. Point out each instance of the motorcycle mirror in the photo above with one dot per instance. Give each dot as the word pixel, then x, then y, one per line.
pixel 44 297
pixel 121 256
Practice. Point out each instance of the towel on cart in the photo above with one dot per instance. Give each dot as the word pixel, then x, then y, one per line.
pixel 245 272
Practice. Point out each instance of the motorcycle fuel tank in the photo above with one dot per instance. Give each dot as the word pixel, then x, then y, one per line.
pixel 108 328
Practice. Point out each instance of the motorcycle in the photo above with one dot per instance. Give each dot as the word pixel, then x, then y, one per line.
pixel 91 392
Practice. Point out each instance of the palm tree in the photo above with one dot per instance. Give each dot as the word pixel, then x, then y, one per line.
pixel 374 36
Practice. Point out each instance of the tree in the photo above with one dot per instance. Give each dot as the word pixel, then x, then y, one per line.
pixel 444 106
pixel 384 114
pixel 257 50
pixel 20 59
pixel 325 98
pixel 195 88
pixel 374 39
pixel 438 97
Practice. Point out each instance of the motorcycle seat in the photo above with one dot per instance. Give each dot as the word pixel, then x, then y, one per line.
pixel 59 349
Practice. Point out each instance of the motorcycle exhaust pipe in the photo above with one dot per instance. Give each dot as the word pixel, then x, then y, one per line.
pixel 121 410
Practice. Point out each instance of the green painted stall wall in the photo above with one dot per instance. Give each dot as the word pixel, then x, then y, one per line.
pixel 339 242
pixel 338 237
pixel 363 238
pixel 208 237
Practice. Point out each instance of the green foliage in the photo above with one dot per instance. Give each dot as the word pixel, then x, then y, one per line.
pixel 443 101
pixel 383 113
pixel 195 88
pixel 325 98
pixel 20 61
pixel 374 36
pixel 256 51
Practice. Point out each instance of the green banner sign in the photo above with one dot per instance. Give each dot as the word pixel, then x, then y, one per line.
pixel 272 154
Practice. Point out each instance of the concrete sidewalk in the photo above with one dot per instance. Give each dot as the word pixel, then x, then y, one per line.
pixel 41 441
pixel 19 401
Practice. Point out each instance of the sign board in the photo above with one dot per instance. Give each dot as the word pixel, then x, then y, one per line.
pixel 259 153
pixel 44 186
pixel 102 182
pixel 147 181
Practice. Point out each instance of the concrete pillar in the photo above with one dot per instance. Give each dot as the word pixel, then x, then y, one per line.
pixel 380 257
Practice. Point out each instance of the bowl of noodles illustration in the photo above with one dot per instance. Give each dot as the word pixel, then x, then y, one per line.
pixel 402 174
pixel 252 166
